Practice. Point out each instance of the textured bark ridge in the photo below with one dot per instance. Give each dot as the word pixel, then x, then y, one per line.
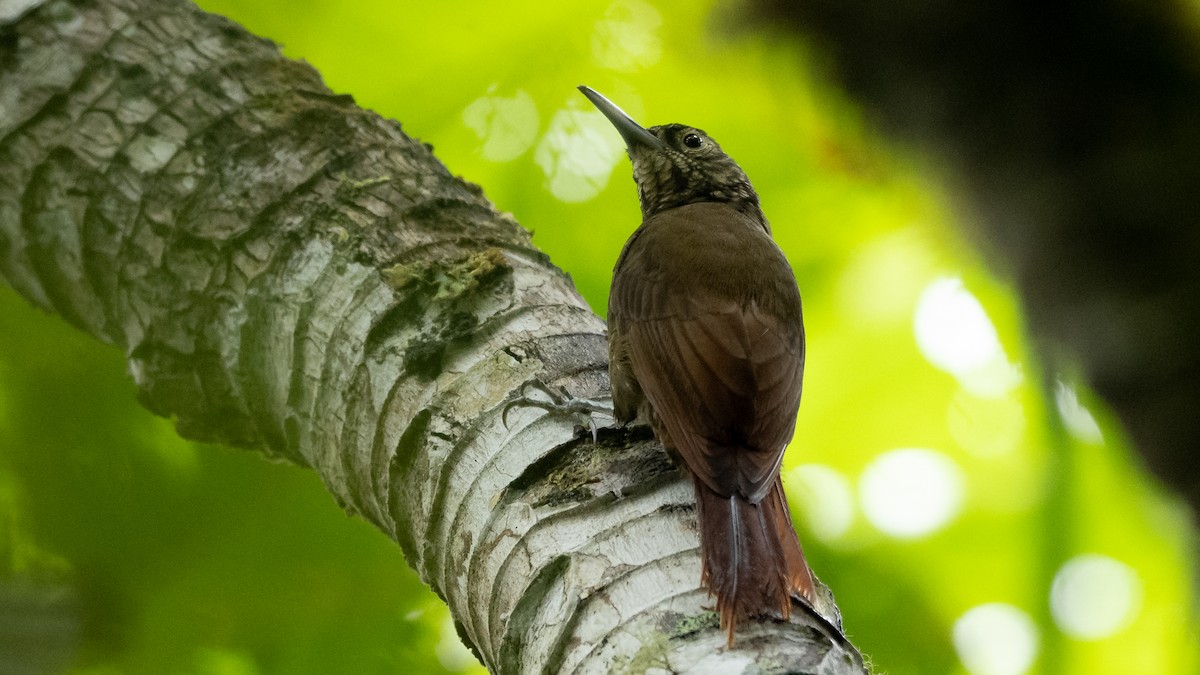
pixel 290 273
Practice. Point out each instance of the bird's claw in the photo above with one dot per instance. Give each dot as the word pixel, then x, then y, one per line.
pixel 560 402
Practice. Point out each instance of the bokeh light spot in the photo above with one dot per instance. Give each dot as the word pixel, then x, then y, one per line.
pixel 627 38
pixel 824 497
pixel 952 329
pixel 1077 419
pixel 506 126
pixel 956 335
pixel 996 639
pixel 1094 596
pixel 577 154
pixel 911 492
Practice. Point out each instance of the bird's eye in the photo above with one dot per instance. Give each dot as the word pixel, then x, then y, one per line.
pixel 693 140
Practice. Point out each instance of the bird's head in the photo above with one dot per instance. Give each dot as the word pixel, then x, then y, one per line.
pixel 674 164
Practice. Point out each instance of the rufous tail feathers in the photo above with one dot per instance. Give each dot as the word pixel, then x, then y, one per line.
pixel 752 560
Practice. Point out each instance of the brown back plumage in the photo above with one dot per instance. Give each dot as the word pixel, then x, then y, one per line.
pixel 714 361
pixel 706 342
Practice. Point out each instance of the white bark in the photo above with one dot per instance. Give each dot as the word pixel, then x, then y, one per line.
pixel 290 273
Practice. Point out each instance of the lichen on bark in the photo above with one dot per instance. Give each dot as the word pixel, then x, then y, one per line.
pixel 290 273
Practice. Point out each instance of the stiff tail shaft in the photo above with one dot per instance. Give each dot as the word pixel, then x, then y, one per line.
pixel 751 557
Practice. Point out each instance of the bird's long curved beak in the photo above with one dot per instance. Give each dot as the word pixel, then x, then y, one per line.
pixel 633 133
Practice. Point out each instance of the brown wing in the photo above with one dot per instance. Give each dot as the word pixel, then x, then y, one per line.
pixel 709 319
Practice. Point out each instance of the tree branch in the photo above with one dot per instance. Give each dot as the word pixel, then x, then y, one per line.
pixel 290 273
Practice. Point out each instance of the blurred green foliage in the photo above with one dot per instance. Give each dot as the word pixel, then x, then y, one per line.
pixel 940 478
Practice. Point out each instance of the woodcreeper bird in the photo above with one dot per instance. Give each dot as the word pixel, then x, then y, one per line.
pixel 706 344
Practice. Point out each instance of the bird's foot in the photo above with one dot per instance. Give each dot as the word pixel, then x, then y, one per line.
pixel 560 402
